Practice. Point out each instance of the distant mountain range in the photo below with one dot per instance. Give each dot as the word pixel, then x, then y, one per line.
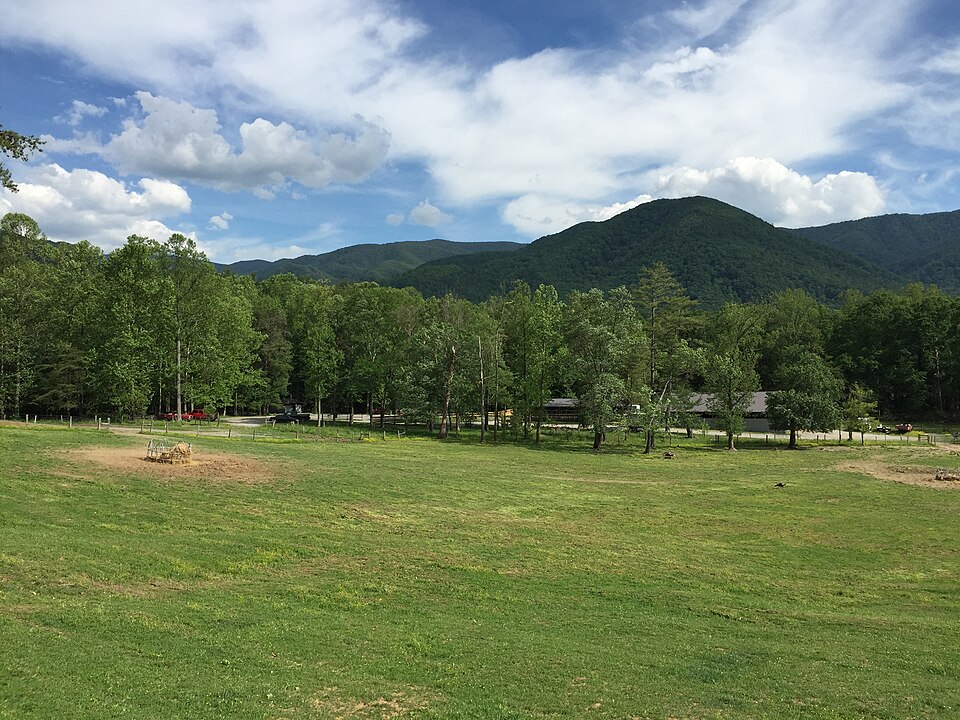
pixel 380 263
pixel 916 248
pixel 718 252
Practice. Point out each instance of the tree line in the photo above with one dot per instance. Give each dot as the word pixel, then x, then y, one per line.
pixel 153 327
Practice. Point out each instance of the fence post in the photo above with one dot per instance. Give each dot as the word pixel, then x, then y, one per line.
pixel 229 432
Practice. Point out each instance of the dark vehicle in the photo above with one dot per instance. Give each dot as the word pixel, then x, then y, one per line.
pixel 292 413
pixel 882 429
pixel 286 417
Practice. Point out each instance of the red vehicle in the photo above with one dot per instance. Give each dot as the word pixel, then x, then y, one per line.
pixel 904 428
pixel 198 414
pixel 186 416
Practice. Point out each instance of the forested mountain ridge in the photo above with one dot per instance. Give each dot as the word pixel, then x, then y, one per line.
pixel 379 263
pixel 151 327
pixel 718 252
pixel 919 248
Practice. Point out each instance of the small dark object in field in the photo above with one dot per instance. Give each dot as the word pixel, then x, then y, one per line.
pixel 669 455
pixel 779 485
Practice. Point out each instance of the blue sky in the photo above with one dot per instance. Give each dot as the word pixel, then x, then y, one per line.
pixel 276 128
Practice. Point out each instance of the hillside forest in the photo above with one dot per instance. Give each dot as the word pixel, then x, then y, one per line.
pixel 153 326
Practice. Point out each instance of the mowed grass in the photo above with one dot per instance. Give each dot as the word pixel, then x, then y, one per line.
pixel 414 578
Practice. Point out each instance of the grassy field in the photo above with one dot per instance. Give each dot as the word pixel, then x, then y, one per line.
pixel 413 578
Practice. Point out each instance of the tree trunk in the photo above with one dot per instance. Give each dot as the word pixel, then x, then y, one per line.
pixel 793 439
pixel 179 412
pixel 383 405
pixel 730 438
pixel 444 415
pixel 483 395
pixel 597 439
pixel 649 442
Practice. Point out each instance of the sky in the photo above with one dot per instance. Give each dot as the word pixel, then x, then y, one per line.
pixel 278 128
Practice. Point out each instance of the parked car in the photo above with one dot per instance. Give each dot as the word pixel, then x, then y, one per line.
pixel 286 417
pixel 904 427
pixel 187 416
pixel 199 414
pixel 882 429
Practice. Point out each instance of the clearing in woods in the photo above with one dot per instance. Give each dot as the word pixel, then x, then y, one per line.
pixel 417 578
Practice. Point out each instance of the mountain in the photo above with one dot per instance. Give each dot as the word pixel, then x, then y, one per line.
pixel 921 248
pixel 357 263
pixel 718 252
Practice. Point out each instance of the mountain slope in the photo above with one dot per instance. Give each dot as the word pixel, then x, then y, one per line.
pixel 357 263
pixel 716 251
pixel 923 248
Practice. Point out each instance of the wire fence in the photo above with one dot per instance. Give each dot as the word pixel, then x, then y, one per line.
pixel 342 431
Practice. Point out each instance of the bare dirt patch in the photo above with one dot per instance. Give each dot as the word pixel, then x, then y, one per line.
pixel 206 465
pixel 399 704
pixel 907 474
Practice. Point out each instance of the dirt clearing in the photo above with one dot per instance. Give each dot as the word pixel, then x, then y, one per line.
pixel 907 474
pixel 206 465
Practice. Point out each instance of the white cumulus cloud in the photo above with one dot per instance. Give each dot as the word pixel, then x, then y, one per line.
pixel 221 221
pixel 550 137
pixel 428 215
pixel 79 110
pixel 778 194
pixel 761 186
pixel 176 140
pixel 87 205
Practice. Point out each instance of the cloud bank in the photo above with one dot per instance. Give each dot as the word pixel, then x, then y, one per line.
pixel 88 205
pixel 719 97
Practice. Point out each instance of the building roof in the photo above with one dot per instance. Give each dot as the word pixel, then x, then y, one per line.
pixel 758 403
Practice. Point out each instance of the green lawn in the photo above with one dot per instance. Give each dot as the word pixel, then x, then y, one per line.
pixel 413 578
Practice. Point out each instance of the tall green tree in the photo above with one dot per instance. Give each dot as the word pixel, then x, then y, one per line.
pixel 858 411
pixel 667 314
pixel 18 147
pixel 519 347
pixel 68 367
pixel 730 375
pixel 548 357
pixel 136 328
pixel 809 396
pixel 314 328
pixel 192 279
pixel 605 337
pixel 26 299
